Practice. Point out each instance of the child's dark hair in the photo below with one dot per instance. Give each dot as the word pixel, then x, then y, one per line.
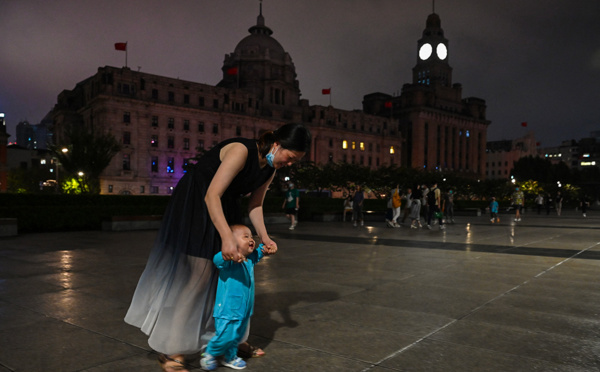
pixel 291 136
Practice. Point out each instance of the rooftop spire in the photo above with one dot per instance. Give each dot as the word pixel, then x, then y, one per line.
pixel 260 27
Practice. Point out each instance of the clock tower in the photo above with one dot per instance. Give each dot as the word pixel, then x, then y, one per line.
pixel 432 58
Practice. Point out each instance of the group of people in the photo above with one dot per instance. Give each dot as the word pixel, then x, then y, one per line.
pixel 541 201
pixel 420 201
pixel 196 293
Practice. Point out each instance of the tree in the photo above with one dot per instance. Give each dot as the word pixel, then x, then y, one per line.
pixel 88 154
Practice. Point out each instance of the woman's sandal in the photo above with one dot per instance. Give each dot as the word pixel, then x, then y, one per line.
pixel 175 363
pixel 246 351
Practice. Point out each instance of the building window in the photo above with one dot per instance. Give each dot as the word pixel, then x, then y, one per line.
pixel 186 125
pixel 171 97
pixel 201 126
pixel 110 188
pixel 345 144
pixel 126 162
pixel 171 124
pixel 201 101
pixel 186 99
pixel 126 117
pixel 215 103
pixel 362 146
pixel 154 164
pixel 353 145
pixel 330 142
pixel 142 189
pixel 127 138
pixel 215 128
pixel 186 143
pixel 171 142
pixel 154 140
pixel 170 190
pixel 153 189
pixel 200 145
pixel 238 131
pixel 154 93
pixel 170 165
pixel 155 121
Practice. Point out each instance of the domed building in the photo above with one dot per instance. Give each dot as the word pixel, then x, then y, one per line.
pixel 261 66
pixel 164 122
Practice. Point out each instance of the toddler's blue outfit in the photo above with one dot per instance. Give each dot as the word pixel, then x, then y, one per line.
pixel 234 304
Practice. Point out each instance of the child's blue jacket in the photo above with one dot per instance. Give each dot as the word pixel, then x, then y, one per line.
pixel 235 290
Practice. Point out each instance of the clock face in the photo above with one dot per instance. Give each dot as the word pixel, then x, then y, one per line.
pixel 442 51
pixel 425 51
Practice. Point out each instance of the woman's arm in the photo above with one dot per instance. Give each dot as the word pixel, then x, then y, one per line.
pixel 255 212
pixel 233 157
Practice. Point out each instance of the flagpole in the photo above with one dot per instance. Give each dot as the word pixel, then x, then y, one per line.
pixel 329 96
pixel 126 53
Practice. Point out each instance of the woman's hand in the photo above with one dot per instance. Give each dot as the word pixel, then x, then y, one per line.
pixel 230 252
pixel 270 246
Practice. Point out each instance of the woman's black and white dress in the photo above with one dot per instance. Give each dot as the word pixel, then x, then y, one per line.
pixel 174 298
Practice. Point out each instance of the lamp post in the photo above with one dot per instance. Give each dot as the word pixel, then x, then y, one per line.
pixel 64 150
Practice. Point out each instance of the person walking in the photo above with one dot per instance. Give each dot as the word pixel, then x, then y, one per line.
pixel 558 200
pixel 174 298
pixel 434 201
pixel 494 210
pixel 518 201
pixel 415 209
pixel 291 203
pixel 407 204
pixel 449 206
pixel 357 205
pixel 396 203
pixel 234 302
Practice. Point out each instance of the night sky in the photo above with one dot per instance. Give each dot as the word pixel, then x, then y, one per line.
pixel 532 61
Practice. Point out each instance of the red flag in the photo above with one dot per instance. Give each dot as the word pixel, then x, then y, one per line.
pixel 326 91
pixel 388 104
pixel 232 71
pixel 524 124
pixel 121 46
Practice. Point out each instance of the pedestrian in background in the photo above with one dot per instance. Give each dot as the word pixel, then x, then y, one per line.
pixel 291 203
pixel 357 206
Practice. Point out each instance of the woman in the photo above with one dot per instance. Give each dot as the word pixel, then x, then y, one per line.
pixel 173 301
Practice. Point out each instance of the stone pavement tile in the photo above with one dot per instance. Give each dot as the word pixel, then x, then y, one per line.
pixel 337 338
pixel 16 268
pixel 283 356
pixel 16 316
pixel 577 270
pixel 51 345
pixel 68 304
pixel 550 347
pixel 537 321
pixel 139 362
pixel 14 287
pixel 375 317
pixel 561 299
pixel 433 356
pixel 444 301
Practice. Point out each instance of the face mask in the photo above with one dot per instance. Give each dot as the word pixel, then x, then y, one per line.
pixel 270 156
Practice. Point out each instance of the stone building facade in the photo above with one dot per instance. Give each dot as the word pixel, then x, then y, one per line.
pixel 442 130
pixel 163 122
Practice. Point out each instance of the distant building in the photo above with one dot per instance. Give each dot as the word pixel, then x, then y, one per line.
pixel 502 155
pixel 576 154
pixel 162 122
pixel 442 130
pixel 3 154
pixel 34 136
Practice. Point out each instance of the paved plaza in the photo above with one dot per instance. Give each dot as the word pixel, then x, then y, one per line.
pixel 514 296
